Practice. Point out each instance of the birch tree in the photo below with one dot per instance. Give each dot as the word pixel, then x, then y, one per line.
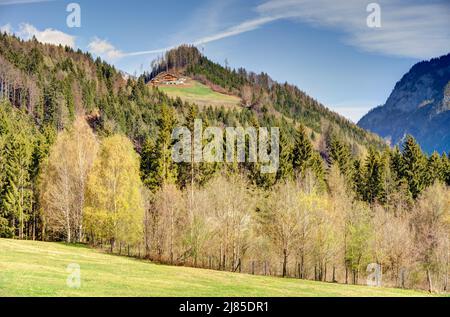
pixel 114 207
pixel 64 177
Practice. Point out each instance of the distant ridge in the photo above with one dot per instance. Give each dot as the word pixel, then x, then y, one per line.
pixel 419 105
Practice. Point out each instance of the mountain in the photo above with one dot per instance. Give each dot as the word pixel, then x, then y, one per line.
pixel 419 105
pixel 260 94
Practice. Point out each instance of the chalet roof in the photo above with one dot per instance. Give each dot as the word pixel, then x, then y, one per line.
pixel 166 74
pixel 165 77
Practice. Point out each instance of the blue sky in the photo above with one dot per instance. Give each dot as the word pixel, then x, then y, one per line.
pixel 323 47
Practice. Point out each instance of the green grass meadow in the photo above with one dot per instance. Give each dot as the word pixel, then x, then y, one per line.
pixel 31 268
pixel 200 94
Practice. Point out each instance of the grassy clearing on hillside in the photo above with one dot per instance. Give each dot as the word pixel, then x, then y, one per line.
pixel 202 95
pixel 29 268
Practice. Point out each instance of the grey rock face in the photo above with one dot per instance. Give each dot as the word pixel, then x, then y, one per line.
pixel 419 105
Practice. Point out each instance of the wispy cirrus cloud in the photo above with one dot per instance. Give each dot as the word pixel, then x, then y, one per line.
pixel 13 2
pixel 409 29
pixel 243 27
pixel 246 26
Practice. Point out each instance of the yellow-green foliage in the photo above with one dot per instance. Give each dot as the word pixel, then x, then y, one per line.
pixel 114 208
pixel 63 180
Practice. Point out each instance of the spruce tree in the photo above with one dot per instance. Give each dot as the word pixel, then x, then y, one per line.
pixel 446 167
pixel 358 179
pixel 157 166
pixel 190 173
pixel 5 229
pixel 149 164
pixel 396 164
pixel 414 169
pixel 435 169
pixel 18 195
pixel 339 153
pixel 373 177
pixel 316 164
pixel 302 151
pixel 285 170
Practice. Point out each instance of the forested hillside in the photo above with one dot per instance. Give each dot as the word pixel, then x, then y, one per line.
pixel 85 156
pixel 263 95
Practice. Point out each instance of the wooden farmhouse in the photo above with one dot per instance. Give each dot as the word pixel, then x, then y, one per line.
pixel 166 78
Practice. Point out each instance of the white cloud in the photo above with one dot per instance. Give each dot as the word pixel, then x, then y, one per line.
pixel 12 2
pixel 7 28
pixel 104 49
pixel 243 27
pixel 156 51
pixel 49 35
pixel 407 29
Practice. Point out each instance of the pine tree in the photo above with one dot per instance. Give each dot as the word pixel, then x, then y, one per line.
pixel 414 169
pixel 373 177
pixel 285 170
pixel 358 179
pixel 149 164
pixel 263 180
pixel 316 164
pixel 339 153
pixel 6 229
pixel 446 167
pixel 157 166
pixel 18 194
pixel 435 169
pixel 187 171
pixel 396 164
pixel 302 151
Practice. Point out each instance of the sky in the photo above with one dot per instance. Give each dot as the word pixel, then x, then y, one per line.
pixel 346 54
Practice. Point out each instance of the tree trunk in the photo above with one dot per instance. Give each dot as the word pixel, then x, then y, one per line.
pixel 334 274
pixel 224 259
pixel 284 262
pixel 68 235
pixel 80 232
pixel 302 264
pixel 34 225
pixel 430 284
pixel 402 278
